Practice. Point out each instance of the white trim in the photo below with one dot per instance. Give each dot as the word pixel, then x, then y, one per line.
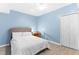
pixel 53 42
pixel 4 45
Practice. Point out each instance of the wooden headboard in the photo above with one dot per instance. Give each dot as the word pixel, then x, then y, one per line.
pixel 20 29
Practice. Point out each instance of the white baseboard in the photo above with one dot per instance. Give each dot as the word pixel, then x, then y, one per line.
pixel 4 45
pixel 54 42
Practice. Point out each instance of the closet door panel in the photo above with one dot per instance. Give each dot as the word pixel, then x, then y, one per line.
pixel 65 35
pixel 77 32
pixel 73 26
pixel 74 31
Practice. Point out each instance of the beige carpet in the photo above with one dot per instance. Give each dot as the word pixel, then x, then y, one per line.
pixel 59 50
pixel 5 50
pixel 53 50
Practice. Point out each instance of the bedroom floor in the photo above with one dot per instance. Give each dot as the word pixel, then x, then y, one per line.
pixel 53 50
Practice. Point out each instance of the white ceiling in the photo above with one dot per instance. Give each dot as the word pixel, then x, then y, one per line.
pixel 31 8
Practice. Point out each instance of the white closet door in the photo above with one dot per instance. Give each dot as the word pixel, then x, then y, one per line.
pixel 65 29
pixel 69 31
pixel 73 30
pixel 76 32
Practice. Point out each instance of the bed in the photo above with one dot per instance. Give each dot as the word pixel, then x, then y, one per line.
pixel 24 43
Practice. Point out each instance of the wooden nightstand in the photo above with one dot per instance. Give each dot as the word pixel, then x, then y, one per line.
pixel 38 34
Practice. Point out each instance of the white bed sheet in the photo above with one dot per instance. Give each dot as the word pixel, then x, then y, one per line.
pixel 27 45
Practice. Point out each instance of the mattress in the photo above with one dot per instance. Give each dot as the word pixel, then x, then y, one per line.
pixel 29 45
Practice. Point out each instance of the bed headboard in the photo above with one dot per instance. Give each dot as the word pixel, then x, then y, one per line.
pixel 20 29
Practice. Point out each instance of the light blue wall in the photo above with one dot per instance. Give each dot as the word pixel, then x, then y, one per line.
pixel 4 25
pixel 49 24
pixel 14 19
pixel 19 19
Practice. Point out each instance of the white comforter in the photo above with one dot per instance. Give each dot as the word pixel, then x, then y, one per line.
pixel 29 45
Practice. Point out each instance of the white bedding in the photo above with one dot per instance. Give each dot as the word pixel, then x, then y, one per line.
pixel 28 45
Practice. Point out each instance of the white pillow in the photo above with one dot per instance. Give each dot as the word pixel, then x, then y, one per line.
pixel 21 34
pixel 26 34
pixel 16 34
